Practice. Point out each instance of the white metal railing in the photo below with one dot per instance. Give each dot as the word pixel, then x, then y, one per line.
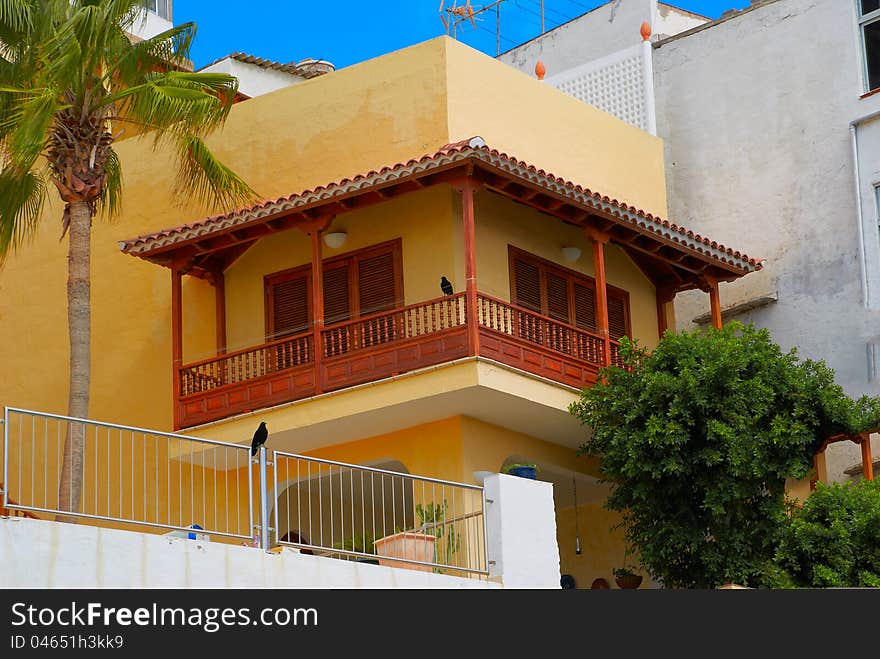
pixel 130 476
pixel 145 478
pixel 362 513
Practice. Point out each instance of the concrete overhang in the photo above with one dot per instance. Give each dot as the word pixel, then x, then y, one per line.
pixel 473 387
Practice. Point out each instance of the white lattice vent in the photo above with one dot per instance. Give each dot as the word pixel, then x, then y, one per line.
pixel 614 84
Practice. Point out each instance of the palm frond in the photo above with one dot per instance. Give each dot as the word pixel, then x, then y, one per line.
pixel 178 102
pixel 16 15
pixel 111 195
pixel 26 125
pixel 21 200
pixel 203 177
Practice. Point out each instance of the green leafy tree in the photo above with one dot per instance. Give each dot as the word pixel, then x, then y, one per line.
pixel 833 539
pixel 72 82
pixel 697 439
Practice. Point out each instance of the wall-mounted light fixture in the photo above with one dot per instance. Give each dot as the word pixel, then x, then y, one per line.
pixel 335 239
pixel 571 254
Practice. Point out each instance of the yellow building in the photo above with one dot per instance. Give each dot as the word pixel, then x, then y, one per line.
pixel 321 311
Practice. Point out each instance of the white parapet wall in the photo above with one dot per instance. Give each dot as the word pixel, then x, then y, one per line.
pixel 49 554
pixel 521 527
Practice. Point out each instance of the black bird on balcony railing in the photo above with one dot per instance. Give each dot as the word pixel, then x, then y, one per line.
pixel 445 285
pixel 260 437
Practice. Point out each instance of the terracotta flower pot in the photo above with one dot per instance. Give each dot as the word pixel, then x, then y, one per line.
pixel 407 546
pixel 629 581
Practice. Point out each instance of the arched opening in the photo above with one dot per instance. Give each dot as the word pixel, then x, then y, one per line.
pixel 323 506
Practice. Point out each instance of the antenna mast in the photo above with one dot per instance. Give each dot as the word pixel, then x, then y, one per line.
pixel 456 14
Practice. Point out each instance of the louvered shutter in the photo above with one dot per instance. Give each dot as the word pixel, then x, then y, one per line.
pixel 376 283
pixel 376 293
pixel 290 306
pixel 557 297
pixel 337 302
pixel 616 316
pixel 527 280
pixel 585 307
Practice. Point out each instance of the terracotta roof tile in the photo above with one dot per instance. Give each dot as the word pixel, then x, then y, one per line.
pixel 307 68
pixel 474 148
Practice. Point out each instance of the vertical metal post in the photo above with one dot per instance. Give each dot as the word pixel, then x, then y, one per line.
pixel 264 502
pixel 275 489
pixel 497 29
pixel 485 565
pixel 5 456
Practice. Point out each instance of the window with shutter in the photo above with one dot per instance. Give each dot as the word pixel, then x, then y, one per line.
pixel 337 299
pixel 357 284
pixel 618 320
pixel 565 296
pixel 290 306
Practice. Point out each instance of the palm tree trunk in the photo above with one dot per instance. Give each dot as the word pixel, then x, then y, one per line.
pixel 79 324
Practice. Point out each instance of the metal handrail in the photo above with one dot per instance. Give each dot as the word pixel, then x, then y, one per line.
pixel 116 458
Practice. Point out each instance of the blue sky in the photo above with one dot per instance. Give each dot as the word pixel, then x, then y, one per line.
pixel 345 31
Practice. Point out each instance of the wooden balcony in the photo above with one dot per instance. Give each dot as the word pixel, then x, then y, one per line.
pixel 381 345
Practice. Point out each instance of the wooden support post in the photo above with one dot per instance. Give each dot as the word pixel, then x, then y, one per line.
pixel 317 305
pixel 470 267
pixel 599 240
pixel 315 229
pixel 664 297
pixel 867 460
pixel 219 281
pixel 176 338
pixel 715 302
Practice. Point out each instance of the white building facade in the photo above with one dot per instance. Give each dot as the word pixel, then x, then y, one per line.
pixel 770 118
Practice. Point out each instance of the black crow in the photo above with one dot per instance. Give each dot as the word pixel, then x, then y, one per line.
pixel 260 437
pixel 445 285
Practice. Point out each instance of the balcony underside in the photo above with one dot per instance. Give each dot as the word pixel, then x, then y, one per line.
pixel 385 345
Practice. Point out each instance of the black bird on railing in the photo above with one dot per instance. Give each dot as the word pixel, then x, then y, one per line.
pixel 445 285
pixel 260 437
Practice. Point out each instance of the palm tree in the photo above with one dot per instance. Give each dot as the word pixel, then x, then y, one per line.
pixel 72 81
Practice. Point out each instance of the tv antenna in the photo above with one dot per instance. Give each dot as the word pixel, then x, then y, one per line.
pixel 457 14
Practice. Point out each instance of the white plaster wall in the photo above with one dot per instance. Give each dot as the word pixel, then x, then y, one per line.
pixel 755 113
pixel 607 29
pixel 521 527
pixel 254 80
pixel 669 21
pixel 55 555
pixel 151 25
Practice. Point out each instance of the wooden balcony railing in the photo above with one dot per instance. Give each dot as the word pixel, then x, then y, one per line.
pixel 540 330
pixel 247 364
pixel 385 344
pixel 408 322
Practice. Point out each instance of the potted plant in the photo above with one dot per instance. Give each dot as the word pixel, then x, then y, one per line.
pixel 625 576
pixel 430 542
pixel 523 470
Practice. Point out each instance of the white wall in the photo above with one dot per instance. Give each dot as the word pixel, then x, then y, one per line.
pixel 521 527
pixel 153 25
pixel 55 555
pixel 253 80
pixel 755 113
pixel 606 29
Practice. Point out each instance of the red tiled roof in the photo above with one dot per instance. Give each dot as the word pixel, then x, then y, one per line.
pixel 474 149
pixel 307 68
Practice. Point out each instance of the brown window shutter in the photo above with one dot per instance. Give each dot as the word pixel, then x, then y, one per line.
pixel 616 316
pixel 585 307
pixel 527 280
pixel 337 302
pixel 376 290
pixel 290 306
pixel 557 297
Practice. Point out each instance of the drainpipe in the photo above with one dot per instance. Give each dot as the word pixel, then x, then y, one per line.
pixel 863 257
